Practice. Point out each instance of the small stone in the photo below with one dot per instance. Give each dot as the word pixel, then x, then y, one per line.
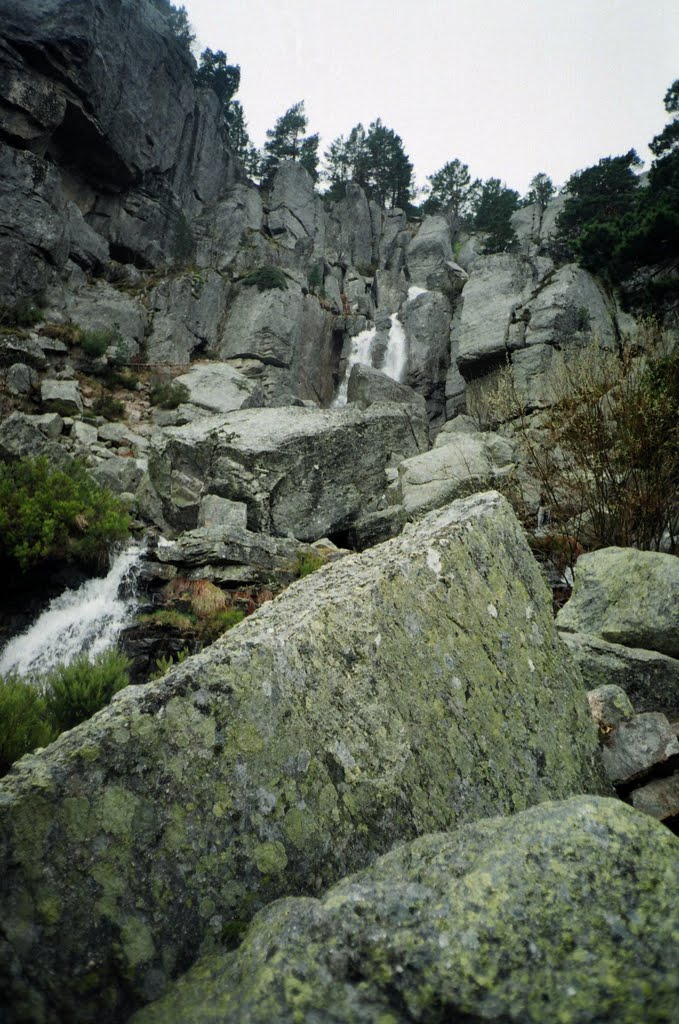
pixel 21 379
pixel 610 706
pixel 64 393
pixel 216 511
pixel 637 746
pixel 659 798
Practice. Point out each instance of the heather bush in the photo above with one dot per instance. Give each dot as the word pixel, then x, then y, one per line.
pixel 56 513
pixel 74 692
pixel 23 720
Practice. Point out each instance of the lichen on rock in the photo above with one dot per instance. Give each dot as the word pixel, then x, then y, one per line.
pixel 409 689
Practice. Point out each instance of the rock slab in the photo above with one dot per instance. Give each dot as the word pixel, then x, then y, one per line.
pixel 565 912
pixel 409 689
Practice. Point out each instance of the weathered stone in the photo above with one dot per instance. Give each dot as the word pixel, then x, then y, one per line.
pixel 650 680
pixel 63 393
pixel 263 325
pixel 429 253
pixel 497 286
pixel 628 597
pixel 426 322
pixel 219 387
pixel 296 217
pixel 15 349
pixel 356 709
pixel 120 474
pixel 376 527
pixel 349 234
pixel 50 423
pixel 121 435
pixel 86 247
pixel 100 307
pixel 226 227
pixel 187 311
pixel 20 379
pixel 86 434
pixel 464 463
pixel 216 511
pixel 21 437
pixel 230 554
pixel 570 306
pixel 659 798
pixel 367 386
pixel 610 706
pixel 566 912
pixel 304 472
pixel 636 746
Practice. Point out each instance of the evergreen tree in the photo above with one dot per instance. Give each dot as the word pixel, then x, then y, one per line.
pixel 540 190
pixel 452 189
pixel 668 140
pixel 599 198
pixel 215 73
pixel 375 160
pixel 494 208
pixel 286 141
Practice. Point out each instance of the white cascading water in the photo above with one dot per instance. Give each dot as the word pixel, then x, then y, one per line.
pixel 88 619
pixel 395 357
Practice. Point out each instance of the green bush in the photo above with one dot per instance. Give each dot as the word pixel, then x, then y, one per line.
pixel 96 342
pixel 307 562
pixel 169 395
pixel 21 314
pixel 73 693
pixel 23 720
pixel 108 407
pixel 219 622
pixel 56 513
pixel 266 278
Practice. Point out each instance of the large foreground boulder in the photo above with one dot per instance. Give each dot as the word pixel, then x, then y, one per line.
pixel 405 690
pixel 302 472
pixel 566 912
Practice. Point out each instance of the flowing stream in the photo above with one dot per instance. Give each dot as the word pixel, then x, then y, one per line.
pixel 395 357
pixel 88 619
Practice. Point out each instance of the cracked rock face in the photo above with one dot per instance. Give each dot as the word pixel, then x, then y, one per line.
pixel 356 709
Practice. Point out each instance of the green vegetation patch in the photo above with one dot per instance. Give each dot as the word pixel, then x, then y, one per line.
pixel 169 394
pixel 48 513
pixel 265 278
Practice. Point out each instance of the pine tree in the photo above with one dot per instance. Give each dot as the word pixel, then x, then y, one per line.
pixel 452 189
pixel 494 208
pixel 286 141
pixel 540 190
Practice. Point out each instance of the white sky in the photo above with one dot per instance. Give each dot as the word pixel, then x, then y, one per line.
pixel 510 87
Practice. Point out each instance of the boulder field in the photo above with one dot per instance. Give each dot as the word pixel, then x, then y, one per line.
pixel 409 689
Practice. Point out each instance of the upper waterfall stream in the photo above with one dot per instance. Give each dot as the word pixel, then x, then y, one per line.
pixel 86 620
pixel 395 356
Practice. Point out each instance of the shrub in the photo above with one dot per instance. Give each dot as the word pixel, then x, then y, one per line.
pixel 68 333
pixel 108 407
pixel 56 513
pixel 75 692
pixel 219 622
pixel 169 394
pixel 169 617
pixel 23 720
pixel 21 314
pixel 607 454
pixel 96 342
pixel 266 278
pixel 307 562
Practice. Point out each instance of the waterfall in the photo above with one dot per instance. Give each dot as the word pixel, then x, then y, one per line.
pixel 360 353
pixel 88 619
pixel 395 357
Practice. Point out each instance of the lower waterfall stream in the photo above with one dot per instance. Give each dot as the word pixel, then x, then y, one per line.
pixel 86 620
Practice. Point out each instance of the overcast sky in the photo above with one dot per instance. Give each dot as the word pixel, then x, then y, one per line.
pixel 510 87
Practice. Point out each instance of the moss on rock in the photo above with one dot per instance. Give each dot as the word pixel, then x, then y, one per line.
pixel 412 688
pixel 566 912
